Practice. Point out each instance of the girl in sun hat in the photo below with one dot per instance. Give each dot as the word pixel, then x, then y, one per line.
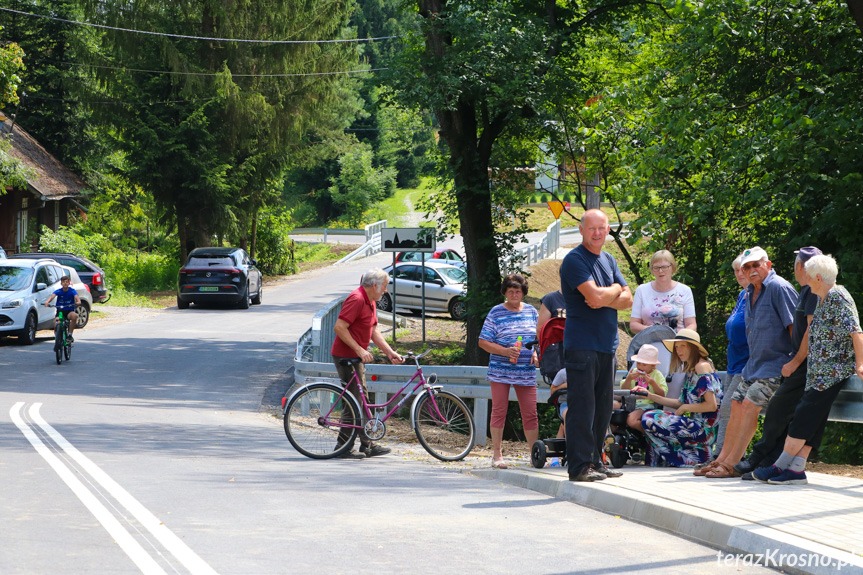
pixel 644 375
pixel 684 438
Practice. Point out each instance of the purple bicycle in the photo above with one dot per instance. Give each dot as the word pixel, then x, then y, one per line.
pixel 322 419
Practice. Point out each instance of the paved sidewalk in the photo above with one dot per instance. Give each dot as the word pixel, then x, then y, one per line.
pixel 815 528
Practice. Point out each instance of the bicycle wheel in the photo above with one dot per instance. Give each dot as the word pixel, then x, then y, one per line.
pixel 444 425
pixel 67 351
pixel 304 420
pixel 58 343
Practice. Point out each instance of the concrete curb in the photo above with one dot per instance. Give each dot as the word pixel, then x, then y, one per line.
pixel 741 542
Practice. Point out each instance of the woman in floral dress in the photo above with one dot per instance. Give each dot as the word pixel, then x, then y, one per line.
pixel 835 354
pixel 684 438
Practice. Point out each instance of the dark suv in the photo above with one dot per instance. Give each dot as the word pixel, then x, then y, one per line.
pixel 219 275
pixel 90 273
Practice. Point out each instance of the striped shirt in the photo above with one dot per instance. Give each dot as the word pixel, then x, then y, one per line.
pixel 503 327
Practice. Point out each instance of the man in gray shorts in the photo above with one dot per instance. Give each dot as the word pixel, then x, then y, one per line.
pixel 770 304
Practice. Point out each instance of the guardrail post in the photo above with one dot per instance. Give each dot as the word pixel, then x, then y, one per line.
pixel 480 417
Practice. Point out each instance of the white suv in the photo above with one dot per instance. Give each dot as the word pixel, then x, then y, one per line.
pixel 24 286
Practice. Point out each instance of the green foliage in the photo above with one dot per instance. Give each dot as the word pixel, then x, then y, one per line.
pixel 274 249
pixel 131 270
pixel 842 443
pixel 359 184
pixel 140 271
pixel 11 66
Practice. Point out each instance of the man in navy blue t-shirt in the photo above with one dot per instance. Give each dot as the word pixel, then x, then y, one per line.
pixel 67 301
pixel 594 289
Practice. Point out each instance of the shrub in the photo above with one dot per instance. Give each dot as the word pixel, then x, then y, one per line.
pixel 274 250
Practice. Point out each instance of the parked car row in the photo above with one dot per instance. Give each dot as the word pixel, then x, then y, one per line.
pixel 25 284
pixel 88 271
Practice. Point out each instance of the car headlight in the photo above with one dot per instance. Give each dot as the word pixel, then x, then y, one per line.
pixel 12 303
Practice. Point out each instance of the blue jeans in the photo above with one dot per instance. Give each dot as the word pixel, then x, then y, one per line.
pixel 589 393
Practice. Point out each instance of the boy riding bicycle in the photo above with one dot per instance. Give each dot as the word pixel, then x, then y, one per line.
pixel 67 301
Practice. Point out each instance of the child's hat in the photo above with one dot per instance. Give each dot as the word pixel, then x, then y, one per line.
pixel 646 354
pixel 689 336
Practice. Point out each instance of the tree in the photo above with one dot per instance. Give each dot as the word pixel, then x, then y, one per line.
pixel 741 128
pixel 12 171
pixel 227 117
pixel 482 66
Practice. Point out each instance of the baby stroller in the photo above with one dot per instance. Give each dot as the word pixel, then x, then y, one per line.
pixel 624 443
pixel 550 355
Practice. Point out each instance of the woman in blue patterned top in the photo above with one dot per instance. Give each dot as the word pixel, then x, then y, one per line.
pixel 510 364
pixel 835 354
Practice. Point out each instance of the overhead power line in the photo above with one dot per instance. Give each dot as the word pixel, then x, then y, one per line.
pixel 178 73
pixel 184 37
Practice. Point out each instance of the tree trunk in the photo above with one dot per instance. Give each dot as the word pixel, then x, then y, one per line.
pixel 254 239
pixel 469 162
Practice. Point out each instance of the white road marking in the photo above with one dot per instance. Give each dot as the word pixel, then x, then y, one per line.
pixel 160 531
pixel 126 542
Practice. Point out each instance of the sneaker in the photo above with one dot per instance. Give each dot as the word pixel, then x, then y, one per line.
pixel 555 462
pixel 70 339
pixel 607 471
pixel 351 455
pixel 765 474
pixel 587 474
pixel 747 477
pixel 789 477
pixel 374 450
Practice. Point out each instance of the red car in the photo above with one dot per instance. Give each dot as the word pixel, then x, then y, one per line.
pixel 449 256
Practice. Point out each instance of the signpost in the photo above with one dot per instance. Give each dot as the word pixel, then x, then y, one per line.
pixel 409 240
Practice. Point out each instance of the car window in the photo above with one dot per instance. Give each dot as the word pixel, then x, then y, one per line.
pixel 210 262
pixel 454 257
pixel 409 273
pixel 431 275
pixel 55 273
pixel 454 275
pixel 74 264
pixel 14 278
pixel 42 276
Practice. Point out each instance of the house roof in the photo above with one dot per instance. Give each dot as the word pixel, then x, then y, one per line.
pixel 51 180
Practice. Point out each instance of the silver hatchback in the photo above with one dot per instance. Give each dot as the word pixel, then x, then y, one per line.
pixel 444 289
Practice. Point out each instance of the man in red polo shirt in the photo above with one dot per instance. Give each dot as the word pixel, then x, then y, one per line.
pixel 356 326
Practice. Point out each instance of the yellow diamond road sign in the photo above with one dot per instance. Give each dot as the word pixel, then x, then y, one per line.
pixel 557 208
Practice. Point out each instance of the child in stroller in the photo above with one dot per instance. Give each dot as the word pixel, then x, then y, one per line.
pixel 644 375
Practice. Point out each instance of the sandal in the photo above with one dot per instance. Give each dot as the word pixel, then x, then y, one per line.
pixel 498 464
pixel 722 471
pixel 702 468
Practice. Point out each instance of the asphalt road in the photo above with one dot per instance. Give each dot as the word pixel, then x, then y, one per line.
pixel 150 452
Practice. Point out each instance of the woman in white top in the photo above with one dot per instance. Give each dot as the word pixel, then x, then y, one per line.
pixel 663 301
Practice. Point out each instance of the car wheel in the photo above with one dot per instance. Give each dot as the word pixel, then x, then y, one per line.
pixel 257 299
pixel 385 303
pixel 28 335
pixel 182 304
pixel 244 300
pixel 83 312
pixel 458 309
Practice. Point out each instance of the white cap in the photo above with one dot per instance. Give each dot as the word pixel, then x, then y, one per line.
pixel 755 254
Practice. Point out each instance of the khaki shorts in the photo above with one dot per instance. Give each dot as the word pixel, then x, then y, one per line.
pixel 758 391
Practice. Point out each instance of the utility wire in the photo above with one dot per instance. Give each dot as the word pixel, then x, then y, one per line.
pixel 125 69
pixel 115 102
pixel 184 37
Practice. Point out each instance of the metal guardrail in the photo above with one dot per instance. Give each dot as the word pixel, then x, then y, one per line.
pixel 529 255
pixel 470 382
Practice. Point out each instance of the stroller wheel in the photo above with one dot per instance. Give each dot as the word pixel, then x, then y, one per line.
pixel 617 456
pixel 538 454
